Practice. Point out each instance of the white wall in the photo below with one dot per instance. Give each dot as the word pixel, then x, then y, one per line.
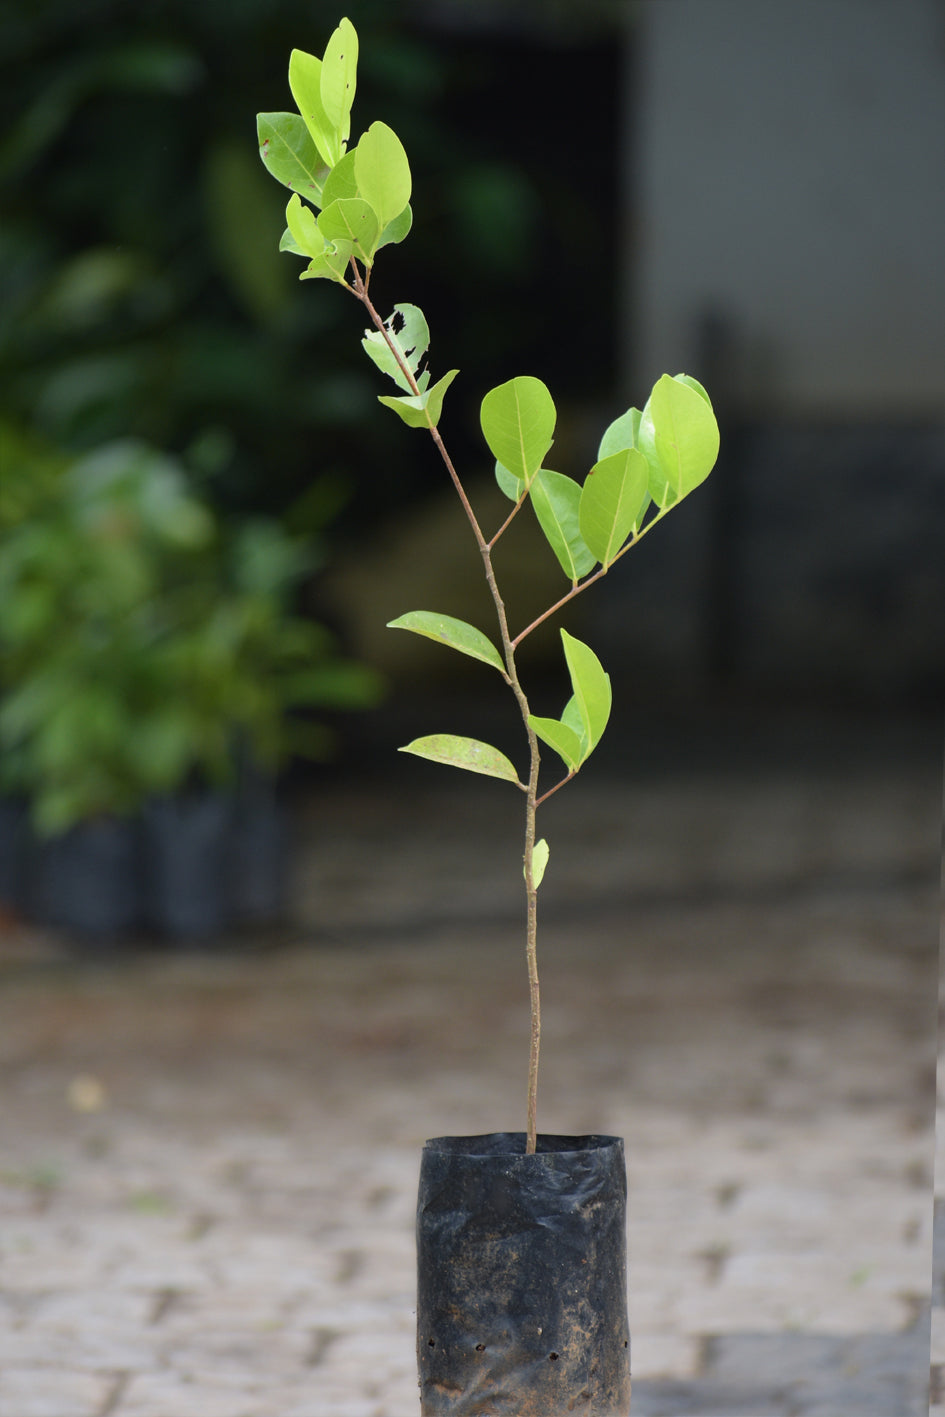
pixel 789 161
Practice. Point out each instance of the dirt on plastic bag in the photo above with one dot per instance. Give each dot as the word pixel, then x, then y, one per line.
pixel 521 1277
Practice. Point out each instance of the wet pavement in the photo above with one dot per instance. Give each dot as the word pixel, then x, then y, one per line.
pixel 208 1158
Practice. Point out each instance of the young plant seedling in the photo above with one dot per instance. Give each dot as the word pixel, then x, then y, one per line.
pixel 347 204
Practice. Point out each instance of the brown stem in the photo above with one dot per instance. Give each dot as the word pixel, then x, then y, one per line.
pixel 559 604
pixel 589 580
pixel 508 521
pixel 531 952
pixel 359 288
pixel 552 790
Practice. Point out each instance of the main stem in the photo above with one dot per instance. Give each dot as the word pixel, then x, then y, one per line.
pixel 531 948
pixel 359 288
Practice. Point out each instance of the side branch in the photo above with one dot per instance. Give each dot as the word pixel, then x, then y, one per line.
pixel 508 521
pixel 589 580
pixel 552 790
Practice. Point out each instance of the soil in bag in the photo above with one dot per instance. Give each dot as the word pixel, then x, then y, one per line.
pixel 521 1267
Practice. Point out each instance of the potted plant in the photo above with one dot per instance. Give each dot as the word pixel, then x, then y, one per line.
pixel 81 694
pixel 521 1237
pixel 30 469
pixel 243 671
pixel 152 670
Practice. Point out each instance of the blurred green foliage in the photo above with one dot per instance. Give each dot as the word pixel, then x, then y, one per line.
pixel 142 644
pixel 141 291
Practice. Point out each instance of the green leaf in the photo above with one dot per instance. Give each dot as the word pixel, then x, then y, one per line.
pixel 540 853
pixel 680 438
pixel 564 740
pixel 512 486
pixel 305 81
pixel 331 265
pixel 341 181
pixel 309 240
pixel 351 219
pixel 571 716
pixel 449 631
pixel 409 333
pixel 518 423
pixel 339 77
pixel 624 432
pixel 613 500
pixel 287 150
pixel 466 753
pixel 557 501
pixel 576 734
pixel 591 687
pixel 288 243
pixel 421 410
pixel 694 384
pixel 383 172
pixel 396 230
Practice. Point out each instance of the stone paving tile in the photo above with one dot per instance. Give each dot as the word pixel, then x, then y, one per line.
pixel 937 1341
pixel 230 1229
pixel 33 1391
pixel 875 1375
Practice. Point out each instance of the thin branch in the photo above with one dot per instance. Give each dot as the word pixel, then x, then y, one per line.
pixel 557 787
pixel 568 596
pixel 509 520
pixel 484 546
pixel 575 590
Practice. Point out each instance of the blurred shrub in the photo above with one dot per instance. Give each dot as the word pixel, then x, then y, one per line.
pixel 141 286
pixel 141 290
pixel 141 644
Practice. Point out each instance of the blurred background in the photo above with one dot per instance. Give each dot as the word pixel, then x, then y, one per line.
pixel 206 517
pixel 206 520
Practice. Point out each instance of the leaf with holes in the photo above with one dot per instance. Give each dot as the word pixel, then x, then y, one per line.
pixel 408 332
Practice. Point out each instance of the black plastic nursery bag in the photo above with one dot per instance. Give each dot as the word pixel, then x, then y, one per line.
pixel 522 1277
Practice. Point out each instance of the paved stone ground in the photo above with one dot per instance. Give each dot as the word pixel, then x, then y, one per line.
pixel 208 1160
pixel 937 1354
